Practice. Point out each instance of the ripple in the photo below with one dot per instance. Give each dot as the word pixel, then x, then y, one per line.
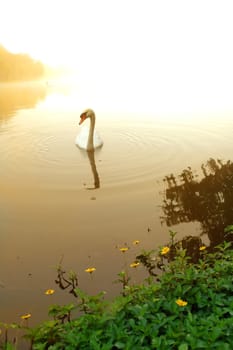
pixel 143 154
pixel 131 155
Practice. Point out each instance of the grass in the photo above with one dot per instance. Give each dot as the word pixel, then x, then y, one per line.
pixel 187 306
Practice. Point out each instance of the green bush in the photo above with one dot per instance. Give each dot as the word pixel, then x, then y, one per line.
pixel 187 306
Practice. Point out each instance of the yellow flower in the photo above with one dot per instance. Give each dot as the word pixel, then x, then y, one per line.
pixel 90 269
pixel 136 242
pixel 124 249
pixel 49 291
pixel 181 302
pixel 135 264
pixel 165 250
pixel 25 317
pixel 203 247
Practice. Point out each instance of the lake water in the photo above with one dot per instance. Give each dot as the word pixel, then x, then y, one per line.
pixel 51 210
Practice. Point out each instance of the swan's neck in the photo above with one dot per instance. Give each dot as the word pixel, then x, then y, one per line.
pixel 90 142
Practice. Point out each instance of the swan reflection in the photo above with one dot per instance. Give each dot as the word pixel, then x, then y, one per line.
pixel 91 156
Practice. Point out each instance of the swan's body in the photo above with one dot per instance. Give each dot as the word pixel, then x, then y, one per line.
pixel 82 139
pixel 88 138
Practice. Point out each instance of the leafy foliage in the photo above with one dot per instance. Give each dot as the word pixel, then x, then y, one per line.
pixel 151 315
pixel 186 306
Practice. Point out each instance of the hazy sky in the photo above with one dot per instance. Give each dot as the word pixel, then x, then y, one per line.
pixel 179 51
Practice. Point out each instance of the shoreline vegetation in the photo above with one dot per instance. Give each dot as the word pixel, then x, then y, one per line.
pixel 19 67
pixel 183 304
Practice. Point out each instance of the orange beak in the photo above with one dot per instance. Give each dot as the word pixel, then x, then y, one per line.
pixel 82 118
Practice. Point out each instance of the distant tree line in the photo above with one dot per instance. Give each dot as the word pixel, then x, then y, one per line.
pixel 18 67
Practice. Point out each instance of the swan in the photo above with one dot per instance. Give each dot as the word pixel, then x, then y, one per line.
pixel 88 138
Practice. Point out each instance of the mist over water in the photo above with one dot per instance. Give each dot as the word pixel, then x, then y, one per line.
pixel 58 201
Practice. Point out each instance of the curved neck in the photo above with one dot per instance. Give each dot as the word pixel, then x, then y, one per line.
pixel 90 142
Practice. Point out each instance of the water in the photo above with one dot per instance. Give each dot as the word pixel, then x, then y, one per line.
pixel 51 207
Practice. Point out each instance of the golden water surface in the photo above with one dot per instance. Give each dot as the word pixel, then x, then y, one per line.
pixel 61 203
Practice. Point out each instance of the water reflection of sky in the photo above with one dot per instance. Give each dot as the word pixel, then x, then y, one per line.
pixel 48 211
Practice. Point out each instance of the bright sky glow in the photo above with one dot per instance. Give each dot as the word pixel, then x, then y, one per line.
pixel 173 55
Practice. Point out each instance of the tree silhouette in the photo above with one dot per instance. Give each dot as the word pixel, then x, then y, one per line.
pixel 18 67
pixel 208 201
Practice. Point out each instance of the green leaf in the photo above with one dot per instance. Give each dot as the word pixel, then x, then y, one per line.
pixel 229 228
pixel 119 345
pixel 183 346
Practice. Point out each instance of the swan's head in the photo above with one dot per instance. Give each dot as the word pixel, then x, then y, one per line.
pixel 88 113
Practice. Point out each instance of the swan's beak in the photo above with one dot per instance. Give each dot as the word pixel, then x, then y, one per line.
pixel 83 116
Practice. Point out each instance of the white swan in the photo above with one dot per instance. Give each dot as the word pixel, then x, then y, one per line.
pixel 88 138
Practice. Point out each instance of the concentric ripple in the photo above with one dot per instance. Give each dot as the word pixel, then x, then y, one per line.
pixel 44 153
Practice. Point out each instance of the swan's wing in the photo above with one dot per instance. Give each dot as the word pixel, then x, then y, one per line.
pixel 82 137
pixel 98 142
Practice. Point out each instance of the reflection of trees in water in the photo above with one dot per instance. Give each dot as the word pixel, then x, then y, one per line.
pixel 209 200
pixel 19 96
